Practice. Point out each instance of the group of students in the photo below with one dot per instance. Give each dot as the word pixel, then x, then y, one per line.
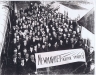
pixel 38 29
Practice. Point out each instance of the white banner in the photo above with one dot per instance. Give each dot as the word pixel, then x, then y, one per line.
pixel 54 58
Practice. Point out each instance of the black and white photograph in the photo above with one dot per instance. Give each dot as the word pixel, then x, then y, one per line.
pixel 47 37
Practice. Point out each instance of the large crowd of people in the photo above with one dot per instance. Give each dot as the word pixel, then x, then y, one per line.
pixel 37 30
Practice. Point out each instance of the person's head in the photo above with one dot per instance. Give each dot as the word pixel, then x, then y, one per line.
pixel 70 30
pixel 30 37
pixel 67 40
pixel 64 35
pixel 19 54
pixel 71 21
pixel 51 38
pixel 43 45
pixel 17 37
pixel 35 48
pixel 18 46
pixel 55 44
pixel 27 56
pixel 32 57
pixel 49 44
pixel 39 45
pixel 73 35
pixel 72 40
pixel 14 28
pixel 22 61
pixel 66 30
pixel 27 37
pixel 38 33
pixel 33 33
pixel 31 48
pixel 25 42
pixel 49 34
pixel 15 51
pixel 40 38
pixel 14 60
pixel 15 34
pixel 68 35
pixel 74 32
pixel 61 42
pixel 24 50
pixel 14 40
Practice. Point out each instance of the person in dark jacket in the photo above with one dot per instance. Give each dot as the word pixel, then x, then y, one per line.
pixel 32 64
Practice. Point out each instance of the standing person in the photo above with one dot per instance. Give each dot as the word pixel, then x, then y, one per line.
pixel 32 65
pixel 61 45
pixel 21 69
pixel 27 62
pixel 44 48
pixel 39 48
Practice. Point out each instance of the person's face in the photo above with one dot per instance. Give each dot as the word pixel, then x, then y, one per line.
pixel 18 46
pixel 32 57
pixel 25 51
pixel 31 48
pixel 15 51
pixel 22 61
pixel 73 36
pixel 55 44
pixel 15 60
pixel 44 38
pixel 68 35
pixel 39 45
pixel 19 55
pixel 13 27
pixel 25 42
pixel 35 48
pixel 40 38
pixel 15 34
pixel 70 30
pixel 74 32
pixel 66 40
pixel 17 37
pixel 25 14
pixel 14 40
pixel 61 42
pixel 43 46
pixel 33 33
pixel 49 44
pixel 27 56
pixel 30 33
pixel 50 38
pixel 66 30
pixel 38 33
pixel 27 38
pixel 49 34
pixel 72 40
pixel 71 21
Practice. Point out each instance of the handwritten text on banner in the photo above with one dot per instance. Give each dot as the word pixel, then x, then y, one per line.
pixel 54 58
